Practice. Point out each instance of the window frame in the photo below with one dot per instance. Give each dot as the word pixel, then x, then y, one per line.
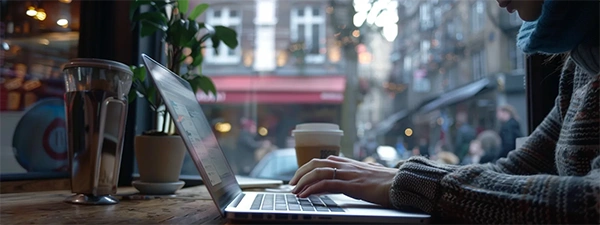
pixel 477 19
pixel 541 86
pixel 479 64
pixel 225 19
pixel 308 20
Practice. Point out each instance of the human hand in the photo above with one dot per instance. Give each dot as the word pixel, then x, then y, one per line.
pixel 367 181
pixel 528 10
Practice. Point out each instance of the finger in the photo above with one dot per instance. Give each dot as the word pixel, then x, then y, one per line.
pixel 298 189
pixel 312 164
pixel 316 175
pixel 374 164
pixel 341 159
pixel 353 162
pixel 329 186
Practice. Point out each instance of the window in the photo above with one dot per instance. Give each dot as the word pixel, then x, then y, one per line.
pixel 517 58
pixel 231 18
pixel 425 46
pixel 425 16
pixel 478 62
pixel 437 58
pixel 34 48
pixel 478 16
pixel 307 25
pixel 407 64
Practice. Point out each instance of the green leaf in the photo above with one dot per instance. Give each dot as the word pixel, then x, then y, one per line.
pixel 154 17
pixel 192 29
pixel 227 35
pixel 198 10
pixel 175 32
pixel 132 95
pixel 139 73
pixel 203 83
pixel 148 28
pixel 215 42
pixel 210 32
pixel 151 95
pixel 183 6
pixel 198 58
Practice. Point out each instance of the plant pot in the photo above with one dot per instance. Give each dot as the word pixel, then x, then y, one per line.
pixel 159 158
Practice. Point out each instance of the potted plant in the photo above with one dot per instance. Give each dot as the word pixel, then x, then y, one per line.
pixel 160 152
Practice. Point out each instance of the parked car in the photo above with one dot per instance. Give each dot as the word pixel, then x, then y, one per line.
pixel 279 164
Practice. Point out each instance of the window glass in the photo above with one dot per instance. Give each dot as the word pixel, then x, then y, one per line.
pixel 37 39
pixel 411 76
pixel 224 16
pixel 309 31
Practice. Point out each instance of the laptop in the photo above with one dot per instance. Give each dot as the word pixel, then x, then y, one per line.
pixel 232 202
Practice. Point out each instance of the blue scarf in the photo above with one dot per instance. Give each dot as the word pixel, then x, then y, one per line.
pixel 560 28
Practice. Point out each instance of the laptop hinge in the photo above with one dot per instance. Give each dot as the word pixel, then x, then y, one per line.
pixel 237 200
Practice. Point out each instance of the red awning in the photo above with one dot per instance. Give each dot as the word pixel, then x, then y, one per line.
pixel 276 89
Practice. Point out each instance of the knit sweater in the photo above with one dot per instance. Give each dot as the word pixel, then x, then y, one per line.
pixel 553 178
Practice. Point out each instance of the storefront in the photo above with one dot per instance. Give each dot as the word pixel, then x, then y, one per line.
pixel 37 39
pixel 435 121
pixel 276 103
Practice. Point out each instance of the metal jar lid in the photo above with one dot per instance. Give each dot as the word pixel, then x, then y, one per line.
pixel 98 63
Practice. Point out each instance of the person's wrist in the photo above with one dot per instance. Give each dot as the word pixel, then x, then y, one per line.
pixel 416 184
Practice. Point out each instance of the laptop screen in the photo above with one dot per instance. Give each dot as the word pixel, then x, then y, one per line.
pixel 196 132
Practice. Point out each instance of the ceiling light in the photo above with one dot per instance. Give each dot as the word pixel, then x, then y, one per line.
pixel 65 1
pixel 40 15
pixel 31 11
pixel 63 22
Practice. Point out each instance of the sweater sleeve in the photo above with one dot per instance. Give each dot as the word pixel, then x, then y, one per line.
pixel 522 188
pixel 475 194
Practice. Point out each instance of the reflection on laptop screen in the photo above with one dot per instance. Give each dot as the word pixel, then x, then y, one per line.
pixel 196 132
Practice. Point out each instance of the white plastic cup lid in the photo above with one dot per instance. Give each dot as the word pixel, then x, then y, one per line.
pixel 318 128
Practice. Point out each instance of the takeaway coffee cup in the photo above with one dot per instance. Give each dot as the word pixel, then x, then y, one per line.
pixel 316 140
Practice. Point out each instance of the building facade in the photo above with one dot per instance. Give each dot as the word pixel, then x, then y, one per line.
pixel 288 68
pixel 451 57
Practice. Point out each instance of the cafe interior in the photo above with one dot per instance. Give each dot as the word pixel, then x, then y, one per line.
pixel 38 38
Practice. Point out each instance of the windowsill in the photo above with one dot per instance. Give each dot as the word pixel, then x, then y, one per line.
pixel 223 61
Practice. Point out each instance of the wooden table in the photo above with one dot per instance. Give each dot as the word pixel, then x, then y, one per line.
pixel 189 206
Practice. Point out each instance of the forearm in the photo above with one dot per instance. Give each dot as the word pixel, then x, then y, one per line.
pixel 476 194
pixel 483 196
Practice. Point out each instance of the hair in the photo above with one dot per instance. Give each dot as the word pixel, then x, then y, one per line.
pixel 490 141
pixel 510 110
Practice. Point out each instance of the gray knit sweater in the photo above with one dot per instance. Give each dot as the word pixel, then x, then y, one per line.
pixel 553 178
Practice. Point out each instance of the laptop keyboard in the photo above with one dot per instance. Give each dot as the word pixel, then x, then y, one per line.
pixel 289 202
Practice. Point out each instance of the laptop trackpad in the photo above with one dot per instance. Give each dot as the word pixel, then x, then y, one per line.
pixel 360 207
pixel 348 202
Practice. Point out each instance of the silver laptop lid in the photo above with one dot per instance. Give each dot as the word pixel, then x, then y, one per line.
pixel 196 133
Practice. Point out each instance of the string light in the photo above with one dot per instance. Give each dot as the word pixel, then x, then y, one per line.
pixel 63 23
pixel 40 15
pixel 31 11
